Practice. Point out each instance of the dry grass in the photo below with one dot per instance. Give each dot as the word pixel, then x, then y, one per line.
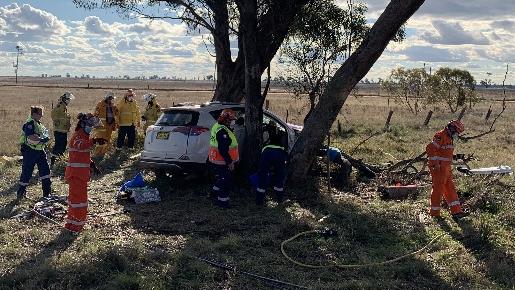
pixel 150 246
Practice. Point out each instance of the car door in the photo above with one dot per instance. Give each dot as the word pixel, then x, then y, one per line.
pixel 168 137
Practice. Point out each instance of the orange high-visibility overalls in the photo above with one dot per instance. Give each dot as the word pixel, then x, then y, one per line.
pixel 77 175
pixel 440 153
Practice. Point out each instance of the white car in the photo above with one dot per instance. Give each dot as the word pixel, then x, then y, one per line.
pixel 179 140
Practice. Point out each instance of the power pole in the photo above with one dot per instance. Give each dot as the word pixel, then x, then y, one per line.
pixel 19 51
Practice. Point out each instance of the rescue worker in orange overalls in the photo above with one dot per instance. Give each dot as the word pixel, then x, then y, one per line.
pixel 223 154
pixel 440 155
pixel 78 170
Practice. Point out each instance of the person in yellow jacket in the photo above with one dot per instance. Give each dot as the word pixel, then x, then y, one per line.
pixel 108 114
pixel 129 120
pixel 61 119
pixel 152 112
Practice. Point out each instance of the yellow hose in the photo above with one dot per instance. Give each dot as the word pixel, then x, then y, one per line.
pixel 346 266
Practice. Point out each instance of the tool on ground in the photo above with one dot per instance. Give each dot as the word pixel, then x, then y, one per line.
pixel 272 282
pixel 347 266
pixel 502 169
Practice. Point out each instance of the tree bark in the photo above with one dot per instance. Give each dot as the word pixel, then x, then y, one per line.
pixel 344 80
pixel 253 99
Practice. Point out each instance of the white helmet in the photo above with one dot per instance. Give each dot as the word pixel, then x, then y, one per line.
pixel 66 97
pixel 109 95
pixel 149 97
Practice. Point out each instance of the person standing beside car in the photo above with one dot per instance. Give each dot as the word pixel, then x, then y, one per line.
pixel 129 120
pixel 33 140
pixel 223 154
pixel 61 119
pixel 108 114
pixel 152 111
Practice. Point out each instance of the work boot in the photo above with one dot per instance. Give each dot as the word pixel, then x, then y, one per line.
pixel 222 204
pixel 279 196
pixel 21 195
pixel 260 198
pixel 460 215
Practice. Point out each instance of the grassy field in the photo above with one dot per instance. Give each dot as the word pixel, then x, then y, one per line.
pixel 153 246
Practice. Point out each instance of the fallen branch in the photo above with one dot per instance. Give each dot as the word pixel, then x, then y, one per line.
pixel 368 138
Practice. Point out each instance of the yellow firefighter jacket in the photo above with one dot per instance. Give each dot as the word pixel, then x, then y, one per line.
pixel 152 113
pixel 101 113
pixel 129 113
pixel 61 118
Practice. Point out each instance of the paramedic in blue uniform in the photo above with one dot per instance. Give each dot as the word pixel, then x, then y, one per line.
pixel 33 140
pixel 273 159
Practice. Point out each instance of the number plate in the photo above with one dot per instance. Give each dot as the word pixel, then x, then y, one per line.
pixel 163 135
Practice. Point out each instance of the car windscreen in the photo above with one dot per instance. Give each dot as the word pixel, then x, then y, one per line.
pixel 178 118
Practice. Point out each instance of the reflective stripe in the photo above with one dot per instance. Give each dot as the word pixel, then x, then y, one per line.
pixel 454 203
pixel 218 162
pixel 216 188
pixel 223 199
pixel 448 147
pixel 45 176
pixel 278 188
pixel 68 221
pixel 435 208
pixel 80 165
pixel 260 190
pixel 77 150
pixel 272 147
pixel 77 205
pixel 23 183
pixel 126 113
pixel 439 158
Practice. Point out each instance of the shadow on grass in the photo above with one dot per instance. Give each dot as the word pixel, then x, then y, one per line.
pixel 249 237
pixel 37 272
pixel 499 265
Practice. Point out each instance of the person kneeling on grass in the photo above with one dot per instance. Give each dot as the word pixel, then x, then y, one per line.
pixel 78 170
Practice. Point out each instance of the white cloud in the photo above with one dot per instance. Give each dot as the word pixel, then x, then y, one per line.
pixel 26 23
pixel 433 54
pixel 93 24
pixel 452 33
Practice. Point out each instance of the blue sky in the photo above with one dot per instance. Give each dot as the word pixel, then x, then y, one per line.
pixel 59 38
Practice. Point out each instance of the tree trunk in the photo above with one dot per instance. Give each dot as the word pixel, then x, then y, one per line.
pixel 253 71
pixel 344 80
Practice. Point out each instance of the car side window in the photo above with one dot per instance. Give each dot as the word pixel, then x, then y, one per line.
pixel 269 120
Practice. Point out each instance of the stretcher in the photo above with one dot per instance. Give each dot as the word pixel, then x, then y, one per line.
pixel 502 170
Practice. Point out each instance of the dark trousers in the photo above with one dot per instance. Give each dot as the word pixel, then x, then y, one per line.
pixel 130 132
pixel 60 143
pixel 272 158
pixel 223 183
pixel 344 172
pixel 32 158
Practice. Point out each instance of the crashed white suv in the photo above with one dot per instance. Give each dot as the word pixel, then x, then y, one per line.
pixel 179 140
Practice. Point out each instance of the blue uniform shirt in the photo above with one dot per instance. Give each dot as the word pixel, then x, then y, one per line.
pixel 29 128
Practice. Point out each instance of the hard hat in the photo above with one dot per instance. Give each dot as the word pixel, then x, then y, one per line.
pixel 457 125
pixel 130 92
pixel 109 95
pixel 67 96
pixel 89 119
pixel 149 97
pixel 227 114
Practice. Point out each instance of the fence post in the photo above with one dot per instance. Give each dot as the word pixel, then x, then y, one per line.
pixel 387 124
pixel 428 118
pixel 488 113
pixel 148 87
pixel 339 127
pixel 267 104
pixel 286 116
pixel 462 113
